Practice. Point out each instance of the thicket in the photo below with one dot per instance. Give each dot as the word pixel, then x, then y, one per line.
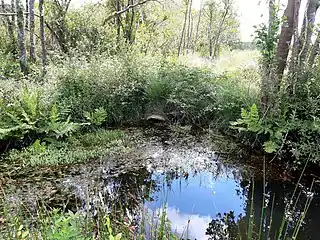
pixel 79 95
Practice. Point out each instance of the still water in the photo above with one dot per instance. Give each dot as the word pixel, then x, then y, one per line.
pixel 204 197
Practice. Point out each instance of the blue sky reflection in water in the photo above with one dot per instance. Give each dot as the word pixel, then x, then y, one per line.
pixel 198 198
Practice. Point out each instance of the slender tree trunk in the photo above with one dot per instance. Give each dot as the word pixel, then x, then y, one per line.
pixel 221 24
pixel 191 34
pixel 189 24
pixel 10 27
pixel 197 29
pixel 13 9
pixel 21 43
pixel 267 64
pixel 296 42
pixel 118 21
pixel 32 27
pixel 314 51
pixel 307 29
pixel 210 31
pixel 42 38
pixel 131 36
pixel 27 15
pixel 285 40
pixel 183 29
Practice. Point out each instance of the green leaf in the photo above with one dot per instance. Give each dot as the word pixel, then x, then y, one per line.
pixel 119 236
pixel 270 146
pixel 25 234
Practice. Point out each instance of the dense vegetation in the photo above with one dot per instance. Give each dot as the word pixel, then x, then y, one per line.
pixel 66 72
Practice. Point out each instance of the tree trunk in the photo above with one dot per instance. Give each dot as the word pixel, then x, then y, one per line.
pixel 42 38
pixel 210 31
pixel 27 15
pixel 267 77
pixel 224 16
pixel 32 27
pixel 189 24
pixel 197 29
pixel 183 29
pixel 296 43
pixel 285 40
pixel 307 29
pixel 21 43
pixel 13 9
pixel 118 21
pixel 10 28
pixel 314 51
pixel 191 33
pixel 131 36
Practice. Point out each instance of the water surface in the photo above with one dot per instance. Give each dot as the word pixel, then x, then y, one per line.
pixel 199 190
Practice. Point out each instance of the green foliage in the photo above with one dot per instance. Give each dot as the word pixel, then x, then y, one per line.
pixel 110 230
pixel 159 90
pixel 267 38
pixel 233 93
pixel 251 121
pixel 97 117
pixel 78 148
pixel 60 226
pixel 116 85
pixel 27 117
pixel 9 67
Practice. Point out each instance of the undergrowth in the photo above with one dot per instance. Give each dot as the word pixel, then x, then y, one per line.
pixel 80 95
pixel 76 149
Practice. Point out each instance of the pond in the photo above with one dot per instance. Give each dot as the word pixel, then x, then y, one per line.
pixel 199 190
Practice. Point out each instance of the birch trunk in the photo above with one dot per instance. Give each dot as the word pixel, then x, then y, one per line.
pixel 183 29
pixel 42 38
pixel 21 43
pixel 32 27
pixel 307 29
pixel 210 32
pixel 27 15
pixel 197 30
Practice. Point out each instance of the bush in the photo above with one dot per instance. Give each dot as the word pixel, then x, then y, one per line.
pixel 128 88
pixel 121 90
pixel 111 84
pixel 292 127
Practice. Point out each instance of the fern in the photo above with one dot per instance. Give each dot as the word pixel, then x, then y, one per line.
pixel 250 121
pixel 29 116
pixel 96 118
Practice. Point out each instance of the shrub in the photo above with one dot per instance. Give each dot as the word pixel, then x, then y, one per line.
pixel 292 127
pixel 129 87
pixel 111 84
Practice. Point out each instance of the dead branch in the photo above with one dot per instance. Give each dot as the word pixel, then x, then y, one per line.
pixel 126 9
